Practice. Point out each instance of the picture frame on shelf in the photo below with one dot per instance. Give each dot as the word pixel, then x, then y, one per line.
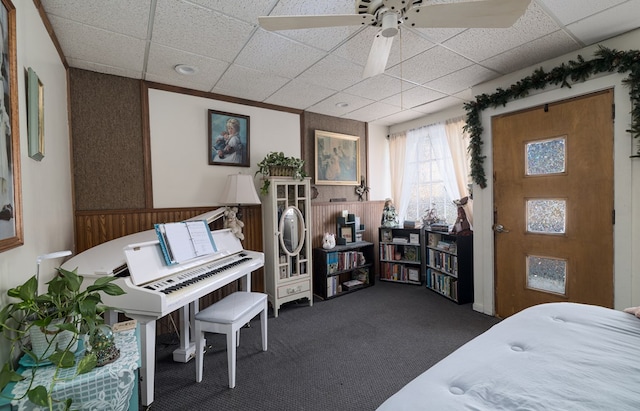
pixel 337 159
pixel 387 235
pixel 228 139
pixel 348 233
pixel 35 115
pixel 11 228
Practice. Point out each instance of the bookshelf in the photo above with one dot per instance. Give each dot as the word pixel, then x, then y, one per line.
pixel 400 255
pixel 449 265
pixel 343 269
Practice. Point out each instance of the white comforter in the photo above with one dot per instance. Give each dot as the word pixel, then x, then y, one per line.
pixel 557 356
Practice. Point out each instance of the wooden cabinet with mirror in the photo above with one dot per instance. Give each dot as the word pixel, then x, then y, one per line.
pixel 286 214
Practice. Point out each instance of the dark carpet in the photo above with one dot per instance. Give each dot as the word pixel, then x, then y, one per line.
pixel 348 353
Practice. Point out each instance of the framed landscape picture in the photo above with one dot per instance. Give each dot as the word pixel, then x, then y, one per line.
pixel 228 139
pixel 337 159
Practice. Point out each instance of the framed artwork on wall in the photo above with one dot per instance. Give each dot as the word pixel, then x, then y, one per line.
pixel 35 115
pixel 337 159
pixel 228 139
pixel 11 229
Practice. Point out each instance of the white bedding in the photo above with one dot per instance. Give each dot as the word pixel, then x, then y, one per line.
pixel 556 356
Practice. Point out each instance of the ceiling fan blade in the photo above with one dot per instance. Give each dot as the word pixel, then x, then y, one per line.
pixel 378 55
pixel 312 22
pixel 470 14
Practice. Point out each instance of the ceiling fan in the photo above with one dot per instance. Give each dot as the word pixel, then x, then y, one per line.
pixel 390 15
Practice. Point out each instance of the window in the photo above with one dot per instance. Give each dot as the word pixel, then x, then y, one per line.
pixel 429 160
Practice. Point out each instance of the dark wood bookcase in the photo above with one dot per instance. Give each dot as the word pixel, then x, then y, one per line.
pixel 401 255
pixel 449 265
pixel 343 269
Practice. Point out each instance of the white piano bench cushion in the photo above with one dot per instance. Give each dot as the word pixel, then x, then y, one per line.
pixel 232 307
pixel 227 316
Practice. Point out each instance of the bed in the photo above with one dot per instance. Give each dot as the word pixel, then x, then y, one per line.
pixel 555 356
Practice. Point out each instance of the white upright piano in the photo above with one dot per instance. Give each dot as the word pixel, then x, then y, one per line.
pixel 154 289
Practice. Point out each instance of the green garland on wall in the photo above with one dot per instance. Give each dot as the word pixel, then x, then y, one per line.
pixel 579 70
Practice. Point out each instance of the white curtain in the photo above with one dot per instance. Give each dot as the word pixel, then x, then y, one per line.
pixel 458 142
pixel 442 152
pixel 409 171
pixel 397 152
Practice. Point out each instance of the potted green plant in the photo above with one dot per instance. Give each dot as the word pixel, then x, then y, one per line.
pixel 277 164
pixel 63 314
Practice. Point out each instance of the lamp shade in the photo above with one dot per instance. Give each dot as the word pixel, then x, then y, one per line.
pixel 239 190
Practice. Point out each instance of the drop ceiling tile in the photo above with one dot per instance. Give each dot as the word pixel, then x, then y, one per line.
pixel 298 94
pixel 121 16
pixel 413 97
pixel 179 82
pixel 333 72
pixel 356 49
pixel 245 10
pixel 378 87
pixel 609 23
pixel 462 79
pixel 544 48
pixel 374 111
pixel 162 60
pixel 432 64
pixel 397 118
pixel 481 44
pixel 329 108
pixel 116 50
pixel 438 35
pixel 104 69
pixel 439 105
pixel 570 11
pixel 198 30
pixel 247 83
pixel 274 53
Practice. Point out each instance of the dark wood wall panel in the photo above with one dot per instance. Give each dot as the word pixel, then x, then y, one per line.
pixel 106 125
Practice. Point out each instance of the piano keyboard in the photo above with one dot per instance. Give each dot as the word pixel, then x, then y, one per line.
pixel 192 276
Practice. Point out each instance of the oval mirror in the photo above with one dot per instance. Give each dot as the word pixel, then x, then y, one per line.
pixel 292 230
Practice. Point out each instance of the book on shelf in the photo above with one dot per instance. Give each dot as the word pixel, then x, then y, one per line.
pixel 440 227
pixel 184 240
pixel 412 224
pixel 400 240
pixel 412 253
pixel 352 284
pixel 414 274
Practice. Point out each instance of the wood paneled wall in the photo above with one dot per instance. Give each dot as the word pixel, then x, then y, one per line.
pixel 97 227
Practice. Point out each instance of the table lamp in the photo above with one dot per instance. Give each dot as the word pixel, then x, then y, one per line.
pixel 239 190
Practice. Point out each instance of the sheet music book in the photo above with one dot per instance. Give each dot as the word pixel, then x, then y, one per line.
pixel 185 240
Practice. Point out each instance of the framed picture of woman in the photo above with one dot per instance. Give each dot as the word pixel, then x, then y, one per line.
pixel 228 139
pixel 337 159
pixel 11 229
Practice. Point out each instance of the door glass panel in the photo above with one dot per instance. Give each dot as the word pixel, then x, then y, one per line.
pixel 546 216
pixel 546 157
pixel 547 274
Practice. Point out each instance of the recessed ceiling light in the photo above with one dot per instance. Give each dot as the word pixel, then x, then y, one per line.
pixel 185 69
pixel 342 104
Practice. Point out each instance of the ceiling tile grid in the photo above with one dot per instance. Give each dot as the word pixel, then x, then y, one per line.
pixel 428 69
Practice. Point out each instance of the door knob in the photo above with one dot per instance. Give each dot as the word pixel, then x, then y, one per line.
pixel 499 228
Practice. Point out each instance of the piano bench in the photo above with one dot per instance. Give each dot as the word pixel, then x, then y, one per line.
pixel 227 316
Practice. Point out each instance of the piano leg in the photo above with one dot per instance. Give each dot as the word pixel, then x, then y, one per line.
pixel 147 357
pixel 187 349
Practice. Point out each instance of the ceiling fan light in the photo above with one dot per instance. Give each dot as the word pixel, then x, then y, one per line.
pixel 389 24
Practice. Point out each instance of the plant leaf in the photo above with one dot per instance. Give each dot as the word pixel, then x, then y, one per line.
pixel 7 375
pixel 87 363
pixel 39 396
